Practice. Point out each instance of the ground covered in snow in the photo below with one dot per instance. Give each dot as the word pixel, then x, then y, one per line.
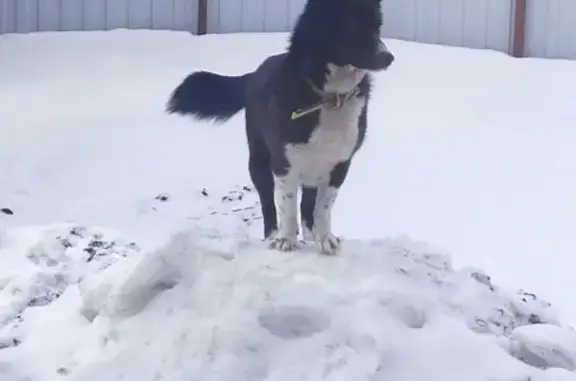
pixel 471 151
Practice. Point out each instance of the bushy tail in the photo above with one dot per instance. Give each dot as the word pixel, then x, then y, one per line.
pixel 209 96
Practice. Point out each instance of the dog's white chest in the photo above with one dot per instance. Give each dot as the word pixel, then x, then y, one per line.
pixel 332 142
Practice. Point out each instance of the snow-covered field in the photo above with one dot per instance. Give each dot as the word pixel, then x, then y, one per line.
pixel 134 250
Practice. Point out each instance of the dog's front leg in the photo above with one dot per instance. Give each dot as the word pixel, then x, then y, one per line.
pixel 286 200
pixel 325 240
pixel 326 194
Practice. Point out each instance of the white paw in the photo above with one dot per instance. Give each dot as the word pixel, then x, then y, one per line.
pixel 282 243
pixel 328 244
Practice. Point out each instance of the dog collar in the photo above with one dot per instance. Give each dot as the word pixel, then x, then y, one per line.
pixel 334 100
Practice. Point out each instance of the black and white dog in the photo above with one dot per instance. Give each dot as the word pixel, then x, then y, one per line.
pixel 305 114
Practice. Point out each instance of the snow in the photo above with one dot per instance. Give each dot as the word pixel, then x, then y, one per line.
pixel 134 250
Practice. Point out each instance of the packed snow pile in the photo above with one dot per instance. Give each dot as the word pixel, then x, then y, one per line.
pixel 37 264
pixel 467 170
pixel 83 304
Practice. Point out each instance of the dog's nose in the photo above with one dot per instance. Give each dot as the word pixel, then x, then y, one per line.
pixel 385 57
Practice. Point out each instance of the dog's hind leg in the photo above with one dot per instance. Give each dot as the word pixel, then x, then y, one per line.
pixel 259 166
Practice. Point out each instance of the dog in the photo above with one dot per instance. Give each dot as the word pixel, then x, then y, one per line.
pixel 305 115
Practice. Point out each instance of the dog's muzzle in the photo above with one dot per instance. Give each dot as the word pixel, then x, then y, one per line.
pixel 384 57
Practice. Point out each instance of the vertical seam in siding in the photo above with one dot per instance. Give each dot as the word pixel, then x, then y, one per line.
pixel 105 14
pixel 511 26
pixel 486 22
pixel 151 10
pixel 4 20
pixel 558 30
pixel 287 20
pixel 219 29
pixel 572 52
pixel 37 16
pixel 549 30
pixel 127 14
pixel 264 18
pixel 60 15
pixel 289 13
pixel 463 24
pixel 440 7
pixel 241 15
pixel 173 15
pixel 82 23
pixel 416 21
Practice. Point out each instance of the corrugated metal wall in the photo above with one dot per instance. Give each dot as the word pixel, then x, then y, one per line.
pixel 472 23
pixel 229 16
pixel 64 15
pixel 551 28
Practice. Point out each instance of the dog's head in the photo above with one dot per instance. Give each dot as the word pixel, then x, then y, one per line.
pixel 344 33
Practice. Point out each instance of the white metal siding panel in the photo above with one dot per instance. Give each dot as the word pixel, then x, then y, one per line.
pixel 399 18
pixel 24 16
pixel 213 20
pixel 232 16
pixel 551 29
pixel 140 14
pixel 499 24
pixel 49 15
pixel 116 14
pixel 475 22
pixel 185 15
pixel 162 14
pixel 8 16
pixel 427 22
pixel 277 16
pixel 71 15
pixel 470 23
pixel 295 7
pixel 230 19
pixel 452 16
pixel 253 15
pixel 94 15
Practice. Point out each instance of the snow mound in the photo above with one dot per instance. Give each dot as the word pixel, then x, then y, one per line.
pixel 208 306
pixel 39 263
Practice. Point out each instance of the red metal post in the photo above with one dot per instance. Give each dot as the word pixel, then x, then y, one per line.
pixel 202 17
pixel 519 29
